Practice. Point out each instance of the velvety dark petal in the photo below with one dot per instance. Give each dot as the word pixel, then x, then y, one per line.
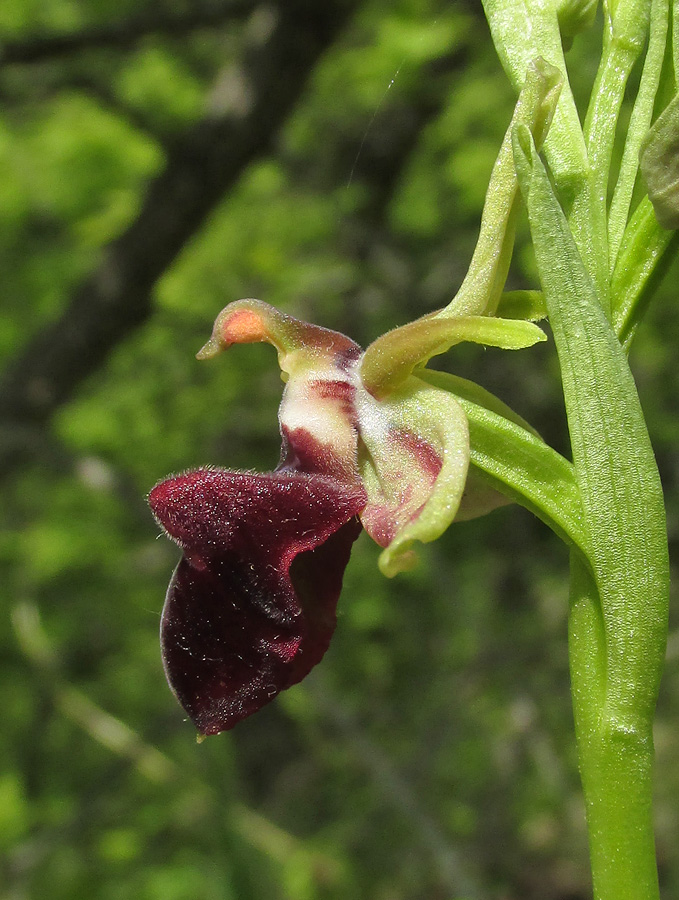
pixel 251 606
pixel 325 565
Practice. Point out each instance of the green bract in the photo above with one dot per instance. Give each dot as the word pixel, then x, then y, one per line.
pixel 660 165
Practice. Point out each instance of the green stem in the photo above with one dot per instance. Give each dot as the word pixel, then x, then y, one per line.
pixel 619 611
pixel 616 764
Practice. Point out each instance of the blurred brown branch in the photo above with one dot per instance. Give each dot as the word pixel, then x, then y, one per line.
pixel 201 166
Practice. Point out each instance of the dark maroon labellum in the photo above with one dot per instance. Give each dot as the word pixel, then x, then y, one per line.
pixel 251 606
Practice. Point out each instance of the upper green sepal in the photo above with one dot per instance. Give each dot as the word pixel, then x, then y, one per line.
pixel 480 292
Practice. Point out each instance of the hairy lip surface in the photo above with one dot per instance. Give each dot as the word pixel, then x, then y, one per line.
pixel 251 606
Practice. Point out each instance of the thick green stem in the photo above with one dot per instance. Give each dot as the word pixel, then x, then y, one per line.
pixel 616 762
pixel 618 623
pixel 619 564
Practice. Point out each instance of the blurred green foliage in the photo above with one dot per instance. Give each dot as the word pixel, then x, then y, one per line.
pixel 432 754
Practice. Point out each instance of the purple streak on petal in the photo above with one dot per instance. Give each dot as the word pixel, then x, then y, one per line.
pixel 325 442
pixel 251 606
pixel 342 392
pixel 428 458
pixel 302 452
pixel 411 469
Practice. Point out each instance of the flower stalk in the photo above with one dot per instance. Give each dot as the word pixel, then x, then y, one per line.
pixel 619 618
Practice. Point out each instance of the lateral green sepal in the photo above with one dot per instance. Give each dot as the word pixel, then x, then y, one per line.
pixel 515 460
pixel 390 359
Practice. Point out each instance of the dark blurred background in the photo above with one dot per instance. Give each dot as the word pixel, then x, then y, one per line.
pixel 158 160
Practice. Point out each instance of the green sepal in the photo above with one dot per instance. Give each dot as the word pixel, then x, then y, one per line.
pixel 390 359
pixel 575 16
pixel 515 460
pixel 482 287
pixel 480 496
pixel 523 30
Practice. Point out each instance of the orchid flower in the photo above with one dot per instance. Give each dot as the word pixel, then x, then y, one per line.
pixel 251 606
